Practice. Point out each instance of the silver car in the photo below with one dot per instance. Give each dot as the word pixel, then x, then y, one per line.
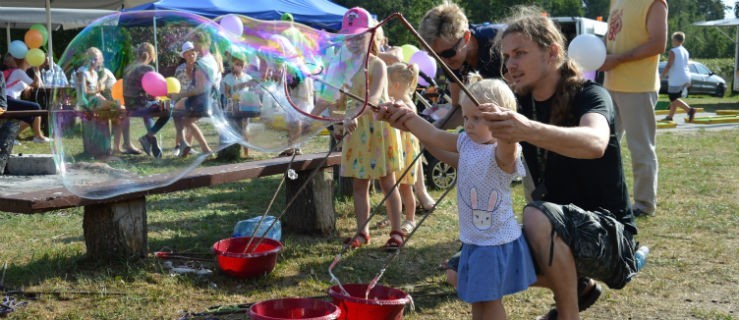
pixel 702 79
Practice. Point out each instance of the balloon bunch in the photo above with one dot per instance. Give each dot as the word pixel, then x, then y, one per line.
pixel 35 37
pixel 425 62
pixel 153 83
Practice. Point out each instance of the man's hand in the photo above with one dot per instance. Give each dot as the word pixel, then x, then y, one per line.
pixel 507 125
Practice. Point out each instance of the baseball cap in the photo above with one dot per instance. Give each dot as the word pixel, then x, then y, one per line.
pixel 187 46
pixel 356 20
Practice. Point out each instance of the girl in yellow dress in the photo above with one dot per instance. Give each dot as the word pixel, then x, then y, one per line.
pixel 371 149
pixel 402 80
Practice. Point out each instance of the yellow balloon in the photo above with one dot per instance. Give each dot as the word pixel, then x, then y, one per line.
pixel 408 51
pixel 173 85
pixel 35 57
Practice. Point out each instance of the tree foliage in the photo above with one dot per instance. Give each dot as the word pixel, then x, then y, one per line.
pixel 702 42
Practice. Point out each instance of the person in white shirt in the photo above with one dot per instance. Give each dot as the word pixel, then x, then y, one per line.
pixel 678 76
pixel 17 85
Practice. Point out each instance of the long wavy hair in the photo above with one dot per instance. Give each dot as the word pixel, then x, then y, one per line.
pixel 528 21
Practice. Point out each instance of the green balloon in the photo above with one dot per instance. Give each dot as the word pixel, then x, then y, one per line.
pixel 42 29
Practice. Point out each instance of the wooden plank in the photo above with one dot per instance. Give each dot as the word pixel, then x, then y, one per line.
pixel 60 198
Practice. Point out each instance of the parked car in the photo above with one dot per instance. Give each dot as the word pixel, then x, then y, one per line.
pixel 702 79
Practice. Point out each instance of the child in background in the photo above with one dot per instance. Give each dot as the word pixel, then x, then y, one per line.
pixel 236 82
pixel 236 85
pixel 402 80
pixel 495 259
pixel 372 148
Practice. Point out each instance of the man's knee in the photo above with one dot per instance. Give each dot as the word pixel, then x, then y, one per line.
pixel 535 221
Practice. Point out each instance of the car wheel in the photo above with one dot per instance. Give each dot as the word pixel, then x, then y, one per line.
pixel 720 90
pixel 439 174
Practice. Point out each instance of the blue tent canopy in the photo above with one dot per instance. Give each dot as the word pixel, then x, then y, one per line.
pixel 321 14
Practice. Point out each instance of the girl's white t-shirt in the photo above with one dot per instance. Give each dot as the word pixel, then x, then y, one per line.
pixel 486 215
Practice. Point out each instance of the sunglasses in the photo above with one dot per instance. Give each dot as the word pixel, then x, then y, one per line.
pixel 451 52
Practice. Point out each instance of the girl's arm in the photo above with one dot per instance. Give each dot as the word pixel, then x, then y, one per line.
pixel 405 118
pixel 505 155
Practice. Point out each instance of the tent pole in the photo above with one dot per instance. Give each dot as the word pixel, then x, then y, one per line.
pixel 7 34
pixel 735 86
pixel 156 45
pixel 49 30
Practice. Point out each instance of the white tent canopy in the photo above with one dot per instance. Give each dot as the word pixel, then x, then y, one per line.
pixel 731 22
pixel 22 18
pixel 47 5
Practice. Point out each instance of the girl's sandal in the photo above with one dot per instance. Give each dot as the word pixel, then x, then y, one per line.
pixel 358 240
pixel 395 242
pixel 382 224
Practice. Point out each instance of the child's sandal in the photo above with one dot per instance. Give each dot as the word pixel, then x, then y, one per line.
pixel 395 242
pixel 356 242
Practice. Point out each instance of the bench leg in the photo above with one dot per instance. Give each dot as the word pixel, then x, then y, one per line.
pixel 313 210
pixel 8 133
pixel 116 230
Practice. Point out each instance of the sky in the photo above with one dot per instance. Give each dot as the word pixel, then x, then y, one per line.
pixel 729 13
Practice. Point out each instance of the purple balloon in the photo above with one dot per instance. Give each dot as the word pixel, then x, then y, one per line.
pixel 154 84
pixel 589 75
pixel 426 64
pixel 232 24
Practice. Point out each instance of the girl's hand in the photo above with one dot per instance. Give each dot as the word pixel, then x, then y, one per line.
pixel 395 114
pixel 350 124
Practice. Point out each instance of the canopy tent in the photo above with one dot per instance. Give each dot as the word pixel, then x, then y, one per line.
pixel 22 18
pixel 48 14
pixel 321 14
pixel 731 22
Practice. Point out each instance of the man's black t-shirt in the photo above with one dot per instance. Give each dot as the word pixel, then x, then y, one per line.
pixel 587 183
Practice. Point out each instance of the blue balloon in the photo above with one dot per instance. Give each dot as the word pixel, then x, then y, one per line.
pixel 18 49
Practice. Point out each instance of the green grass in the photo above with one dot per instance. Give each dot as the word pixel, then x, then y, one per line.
pixel 691 272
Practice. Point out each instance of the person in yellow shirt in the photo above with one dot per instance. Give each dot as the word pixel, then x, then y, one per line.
pixel 637 34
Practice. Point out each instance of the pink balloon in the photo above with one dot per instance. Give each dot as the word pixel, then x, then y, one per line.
pixel 426 64
pixel 154 84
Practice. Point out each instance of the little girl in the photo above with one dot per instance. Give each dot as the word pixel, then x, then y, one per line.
pixel 495 259
pixel 402 80
pixel 371 150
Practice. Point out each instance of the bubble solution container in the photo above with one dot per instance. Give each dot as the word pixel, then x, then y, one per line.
pixel 256 261
pixel 383 303
pixel 245 228
pixel 294 308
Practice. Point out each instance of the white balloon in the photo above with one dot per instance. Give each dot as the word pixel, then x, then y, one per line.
pixel 588 51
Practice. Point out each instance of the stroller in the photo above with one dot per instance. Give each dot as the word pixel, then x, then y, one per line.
pixel 432 103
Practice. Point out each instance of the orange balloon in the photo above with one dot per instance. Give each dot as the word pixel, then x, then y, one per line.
pixel 34 38
pixel 117 90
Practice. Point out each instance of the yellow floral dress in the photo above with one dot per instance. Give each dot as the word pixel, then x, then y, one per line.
pixel 373 150
pixel 410 148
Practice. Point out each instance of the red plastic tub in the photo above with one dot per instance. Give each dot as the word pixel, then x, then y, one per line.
pixel 384 303
pixel 294 308
pixel 233 260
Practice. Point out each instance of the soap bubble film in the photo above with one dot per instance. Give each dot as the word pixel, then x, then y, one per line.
pixel 123 99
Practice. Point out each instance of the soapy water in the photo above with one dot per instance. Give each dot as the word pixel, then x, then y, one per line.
pixel 298 79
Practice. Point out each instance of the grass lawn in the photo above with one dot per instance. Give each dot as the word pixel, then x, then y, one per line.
pixel 692 271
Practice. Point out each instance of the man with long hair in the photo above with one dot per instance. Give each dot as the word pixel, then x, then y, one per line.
pixel 579 225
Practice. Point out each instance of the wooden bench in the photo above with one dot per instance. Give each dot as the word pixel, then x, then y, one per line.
pixel 116 227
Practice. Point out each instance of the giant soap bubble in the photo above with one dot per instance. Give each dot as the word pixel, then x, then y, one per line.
pixel 300 83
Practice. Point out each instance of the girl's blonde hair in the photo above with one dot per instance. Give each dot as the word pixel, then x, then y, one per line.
pixel 146 48
pixel 404 73
pixel 489 91
pixel 93 53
